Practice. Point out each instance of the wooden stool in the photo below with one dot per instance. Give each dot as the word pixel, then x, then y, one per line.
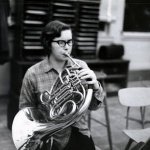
pixel 102 76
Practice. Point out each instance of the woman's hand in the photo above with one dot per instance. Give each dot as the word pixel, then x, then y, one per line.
pixel 89 76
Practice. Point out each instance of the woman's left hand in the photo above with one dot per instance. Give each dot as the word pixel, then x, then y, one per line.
pixel 89 76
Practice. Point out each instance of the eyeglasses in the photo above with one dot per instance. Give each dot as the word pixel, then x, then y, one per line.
pixel 63 43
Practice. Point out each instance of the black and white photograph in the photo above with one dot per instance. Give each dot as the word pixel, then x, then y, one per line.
pixel 74 74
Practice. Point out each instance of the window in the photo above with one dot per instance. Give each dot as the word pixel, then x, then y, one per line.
pixel 137 16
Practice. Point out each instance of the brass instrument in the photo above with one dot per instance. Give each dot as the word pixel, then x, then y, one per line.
pixel 63 105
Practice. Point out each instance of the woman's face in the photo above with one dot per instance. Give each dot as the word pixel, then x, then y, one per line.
pixel 61 45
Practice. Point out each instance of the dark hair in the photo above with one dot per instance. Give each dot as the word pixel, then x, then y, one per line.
pixel 50 31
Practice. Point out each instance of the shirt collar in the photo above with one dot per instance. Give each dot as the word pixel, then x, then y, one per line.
pixel 48 66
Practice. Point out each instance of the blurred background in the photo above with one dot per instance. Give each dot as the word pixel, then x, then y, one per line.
pixel 112 36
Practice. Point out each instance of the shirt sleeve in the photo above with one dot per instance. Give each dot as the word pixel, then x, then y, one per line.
pixel 97 99
pixel 27 94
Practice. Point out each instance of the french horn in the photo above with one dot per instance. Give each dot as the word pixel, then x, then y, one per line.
pixel 63 105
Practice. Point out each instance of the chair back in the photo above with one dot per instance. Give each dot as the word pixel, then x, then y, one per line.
pixel 134 96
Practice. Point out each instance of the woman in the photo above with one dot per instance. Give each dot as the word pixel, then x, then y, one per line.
pixel 57 40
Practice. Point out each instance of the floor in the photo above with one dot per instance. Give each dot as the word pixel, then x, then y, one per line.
pixel 99 132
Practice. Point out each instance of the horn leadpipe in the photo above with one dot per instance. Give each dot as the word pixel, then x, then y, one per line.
pixel 66 54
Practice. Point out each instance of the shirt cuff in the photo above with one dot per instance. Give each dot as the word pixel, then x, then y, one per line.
pixel 99 93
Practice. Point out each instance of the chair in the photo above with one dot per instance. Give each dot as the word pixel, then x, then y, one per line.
pixel 139 136
pixel 131 98
pixel 102 76
pixel 142 146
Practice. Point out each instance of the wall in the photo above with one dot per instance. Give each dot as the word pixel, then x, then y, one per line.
pixel 137 50
pixel 136 44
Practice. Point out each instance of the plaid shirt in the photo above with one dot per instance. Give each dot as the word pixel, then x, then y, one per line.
pixel 41 77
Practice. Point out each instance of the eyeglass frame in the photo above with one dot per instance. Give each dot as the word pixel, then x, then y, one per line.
pixel 64 42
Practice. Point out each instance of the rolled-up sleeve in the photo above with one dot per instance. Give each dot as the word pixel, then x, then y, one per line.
pixel 97 99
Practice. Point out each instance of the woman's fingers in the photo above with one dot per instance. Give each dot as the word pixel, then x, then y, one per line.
pixel 88 75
